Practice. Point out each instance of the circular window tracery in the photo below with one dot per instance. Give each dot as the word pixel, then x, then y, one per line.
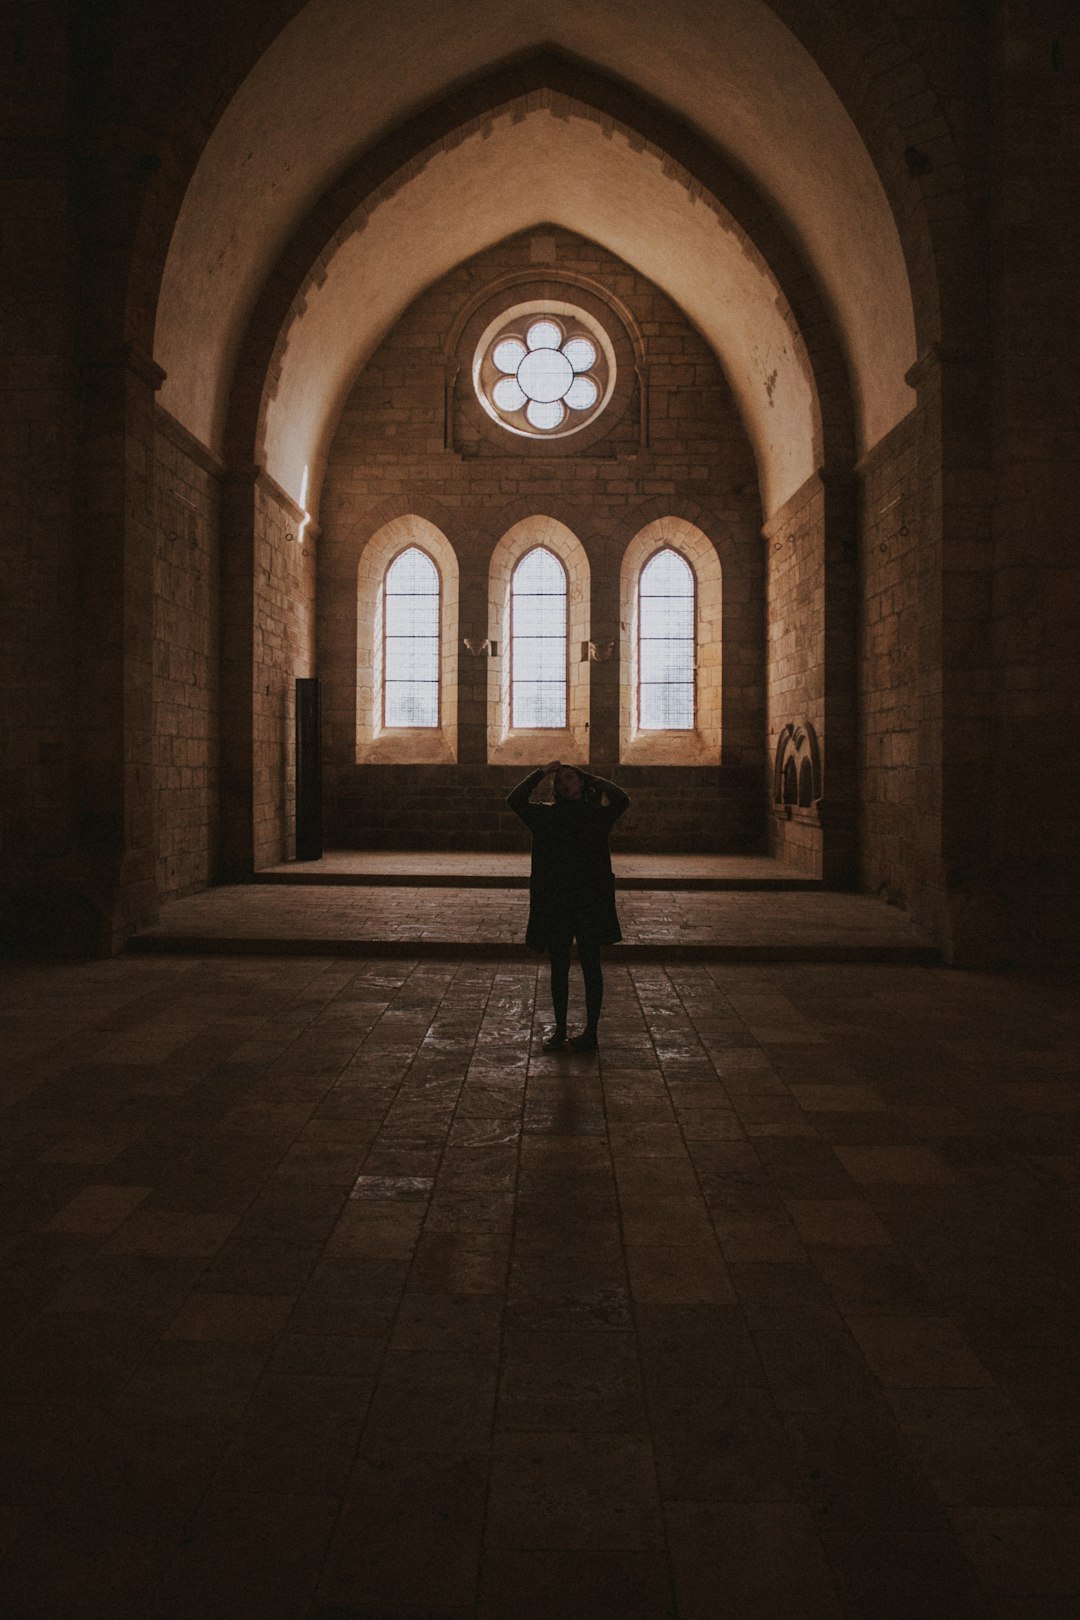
pixel 543 374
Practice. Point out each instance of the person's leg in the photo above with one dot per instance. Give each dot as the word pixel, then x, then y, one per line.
pixel 593 974
pixel 560 991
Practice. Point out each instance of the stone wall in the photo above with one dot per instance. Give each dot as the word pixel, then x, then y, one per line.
pixel 672 446
pixel 283 648
pixel 795 674
pixel 1034 606
pixel 186 661
pixel 38 650
pixel 887 672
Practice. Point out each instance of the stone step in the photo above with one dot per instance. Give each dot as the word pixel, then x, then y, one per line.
pixel 411 920
pixel 192 944
pixel 469 869
pixel 491 880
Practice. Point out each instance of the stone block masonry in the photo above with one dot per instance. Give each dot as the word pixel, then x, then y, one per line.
pixel 671 446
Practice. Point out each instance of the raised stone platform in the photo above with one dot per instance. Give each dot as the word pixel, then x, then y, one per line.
pixel 671 909
pixel 469 869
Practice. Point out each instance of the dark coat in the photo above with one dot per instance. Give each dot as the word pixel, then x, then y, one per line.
pixel 571 885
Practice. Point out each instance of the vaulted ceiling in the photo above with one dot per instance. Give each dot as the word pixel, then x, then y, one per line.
pixel 341 77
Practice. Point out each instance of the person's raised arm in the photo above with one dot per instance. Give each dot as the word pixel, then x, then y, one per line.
pixel 518 800
pixel 618 801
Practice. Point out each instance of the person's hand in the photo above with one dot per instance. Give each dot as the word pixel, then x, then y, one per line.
pixel 550 769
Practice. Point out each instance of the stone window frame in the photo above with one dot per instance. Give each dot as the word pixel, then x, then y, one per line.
pixel 509 745
pixel 545 292
pixel 377 744
pixel 702 745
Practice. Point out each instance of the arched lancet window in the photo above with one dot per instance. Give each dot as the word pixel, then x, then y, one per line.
pixel 666 644
pixel 410 616
pixel 538 613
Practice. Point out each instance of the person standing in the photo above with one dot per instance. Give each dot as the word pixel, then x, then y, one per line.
pixel 571 886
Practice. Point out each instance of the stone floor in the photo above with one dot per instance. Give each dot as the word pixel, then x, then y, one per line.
pixel 327 1294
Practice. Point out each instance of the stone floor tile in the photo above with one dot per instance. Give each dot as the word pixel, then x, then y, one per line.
pixel 874 1280
pixel 722 1444
pixel 779 1295
pixel 41 1444
pixel 430 1504
pixel 569 1285
pixel 919 1352
pixel 298 1435
pixel 247 1555
pixel 460 1263
pixel 649 1140
pixel 903 1165
pixel 684 1275
pixel 242 1318
pixel 856 1472
pixel 328 1355
pixel 137 1285
pixel 914 1575
pixel 431 1400
pixel 187 1378
pixel 975 1448
pixel 171 1233
pixel 575 1585
pixel 842 1221
pixel 591 1492
pixel 809 1370
pixel 570 1381
pixel 98 1210
pixel 1023 1551
pixel 757 1561
pixel 447 1322
pixel 757 1235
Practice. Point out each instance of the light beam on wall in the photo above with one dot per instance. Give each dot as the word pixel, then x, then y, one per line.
pixel 303 502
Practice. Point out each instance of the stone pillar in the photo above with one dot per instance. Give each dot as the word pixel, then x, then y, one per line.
pixel 954 889
pixel 839 866
pixel 237 773
pixel 115 840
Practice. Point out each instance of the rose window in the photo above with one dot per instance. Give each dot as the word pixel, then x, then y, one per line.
pixel 544 376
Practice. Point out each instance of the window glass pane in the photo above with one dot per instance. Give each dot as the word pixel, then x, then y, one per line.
pixel 667 708
pixel 412 615
pixel 538 703
pixel 539 659
pixel 539 615
pixel 667 616
pixel 666 644
pixel 412 573
pixel 538 641
pixel 542 571
pixel 667 661
pixel 411 645
pixel 412 703
pixel 412 659
pixel 667 574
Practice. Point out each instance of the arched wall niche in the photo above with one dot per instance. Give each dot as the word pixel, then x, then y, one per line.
pixel 703 745
pixel 507 746
pixel 375 744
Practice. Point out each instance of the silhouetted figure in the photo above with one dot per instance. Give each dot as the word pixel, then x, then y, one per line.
pixel 571 886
